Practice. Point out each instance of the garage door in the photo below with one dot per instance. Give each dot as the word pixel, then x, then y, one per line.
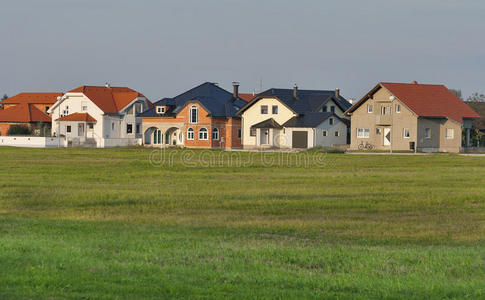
pixel 300 139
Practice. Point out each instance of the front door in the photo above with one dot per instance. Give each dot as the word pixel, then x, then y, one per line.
pixel 80 129
pixel 387 136
pixel 264 138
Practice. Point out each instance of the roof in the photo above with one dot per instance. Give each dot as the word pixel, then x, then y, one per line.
pixel 306 101
pixel 33 98
pixel 246 97
pixel 219 102
pixel 269 123
pixel 81 117
pixel 426 100
pixel 312 119
pixel 109 99
pixel 23 113
pixel 479 107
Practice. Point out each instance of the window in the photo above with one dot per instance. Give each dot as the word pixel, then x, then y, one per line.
pixel 383 110
pixel 330 121
pixel 160 109
pixel 47 109
pixel 324 109
pixel 275 109
pixel 363 133
pixel 113 126
pixel 405 133
pixel 264 109
pixel 138 108
pixel 332 108
pixel 68 128
pixel 252 132
pixel 239 133
pixel 337 133
pixel 129 128
pixel 84 108
pixel 215 134
pixel 90 125
pixel 427 133
pixel 450 132
pixel 194 114
pixel 203 134
pixel 398 108
pixel 370 108
pixel 190 134
pixel 65 112
pixel 157 137
pixel 325 133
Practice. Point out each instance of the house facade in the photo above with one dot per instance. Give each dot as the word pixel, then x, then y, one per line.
pixel 422 117
pixel 293 118
pixel 29 109
pixel 202 117
pixel 100 116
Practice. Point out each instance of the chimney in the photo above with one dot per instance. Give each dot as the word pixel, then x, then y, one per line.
pixel 235 86
pixel 295 91
pixel 337 93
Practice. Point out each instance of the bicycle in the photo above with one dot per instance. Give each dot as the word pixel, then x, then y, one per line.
pixel 365 146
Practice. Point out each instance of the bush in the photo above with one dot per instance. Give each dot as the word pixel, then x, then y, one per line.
pixel 19 130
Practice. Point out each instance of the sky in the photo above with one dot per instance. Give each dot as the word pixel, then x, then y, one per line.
pixel 162 48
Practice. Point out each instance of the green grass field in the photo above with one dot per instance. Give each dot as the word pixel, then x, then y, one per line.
pixel 109 224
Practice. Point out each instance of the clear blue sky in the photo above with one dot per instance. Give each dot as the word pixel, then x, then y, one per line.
pixel 162 48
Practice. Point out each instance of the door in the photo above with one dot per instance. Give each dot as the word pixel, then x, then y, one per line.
pixel 80 129
pixel 300 139
pixel 387 136
pixel 264 136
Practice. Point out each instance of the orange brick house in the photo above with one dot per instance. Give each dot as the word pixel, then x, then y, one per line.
pixel 27 109
pixel 203 117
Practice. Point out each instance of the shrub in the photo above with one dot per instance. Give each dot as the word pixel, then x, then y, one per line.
pixel 19 130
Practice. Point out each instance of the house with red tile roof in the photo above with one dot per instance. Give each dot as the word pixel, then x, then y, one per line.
pixel 27 109
pixel 410 116
pixel 101 116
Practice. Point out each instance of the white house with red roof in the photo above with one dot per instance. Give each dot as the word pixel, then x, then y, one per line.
pixel 101 116
pixel 410 116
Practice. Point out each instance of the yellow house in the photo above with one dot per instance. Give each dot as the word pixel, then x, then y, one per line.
pixel 402 116
pixel 293 118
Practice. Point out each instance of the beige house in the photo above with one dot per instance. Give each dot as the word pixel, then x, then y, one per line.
pixel 293 118
pixel 400 116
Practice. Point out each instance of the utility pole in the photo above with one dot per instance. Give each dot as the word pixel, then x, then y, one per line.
pixel 392 135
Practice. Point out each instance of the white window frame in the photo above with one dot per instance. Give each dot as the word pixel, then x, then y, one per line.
pixel 215 134
pixel 203 134
pixel 404 131
pixel 192 108
pixel 160 109
pixel 427 133
pixel 449 136
pixel 325 133
pixel 127 125
pixel 398 108
pixel 190 134
pixel 331 121
pixel 363 133
pixel 337 133
pixel 68 129
pixel 370 108
pixel 252 132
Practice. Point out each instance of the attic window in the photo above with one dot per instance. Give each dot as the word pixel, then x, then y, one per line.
pixel 330 121
pixel 332 108
pixel 160 109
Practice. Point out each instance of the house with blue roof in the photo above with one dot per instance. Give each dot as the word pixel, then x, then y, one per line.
pixel 294 118
pixel 202 117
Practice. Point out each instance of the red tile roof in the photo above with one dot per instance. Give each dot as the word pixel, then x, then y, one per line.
pixel 33 98
pixel 246 97
pixel 429 100
pixel 81 117
pixel 23 113
pixel 109 99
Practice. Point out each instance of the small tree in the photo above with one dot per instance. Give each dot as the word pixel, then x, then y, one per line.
pixel 456 92
pixel 18 129
pixel 4 97
pixel 476 97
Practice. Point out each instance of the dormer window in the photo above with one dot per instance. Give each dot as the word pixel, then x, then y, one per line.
pixel 160 109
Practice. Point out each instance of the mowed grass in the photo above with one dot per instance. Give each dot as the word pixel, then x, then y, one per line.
pixel 133 224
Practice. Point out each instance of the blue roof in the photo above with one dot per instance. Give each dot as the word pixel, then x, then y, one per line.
pixel 219 102
pixel 306 101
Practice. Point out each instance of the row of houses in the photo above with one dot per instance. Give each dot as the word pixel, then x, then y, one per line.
pixel 397 116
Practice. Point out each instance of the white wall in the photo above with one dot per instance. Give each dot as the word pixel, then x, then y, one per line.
pixel 32 141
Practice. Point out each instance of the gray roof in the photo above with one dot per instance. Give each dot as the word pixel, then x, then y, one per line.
pixel 312 119
pixel 219 102
pixel 306 101
pixel 269 123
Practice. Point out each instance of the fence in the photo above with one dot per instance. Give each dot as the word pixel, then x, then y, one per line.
pixel 32 141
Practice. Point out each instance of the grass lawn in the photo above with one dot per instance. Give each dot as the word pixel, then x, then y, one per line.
pixel 113 224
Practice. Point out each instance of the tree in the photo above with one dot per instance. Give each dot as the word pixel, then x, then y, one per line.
pixel 18 129
pixel 456 92
pixel 4 97
pixel 475 97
